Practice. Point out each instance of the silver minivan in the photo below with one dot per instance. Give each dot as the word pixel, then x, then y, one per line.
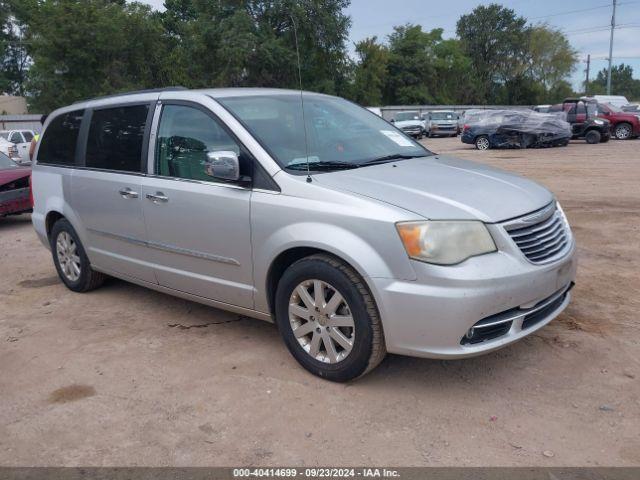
pixel 317 215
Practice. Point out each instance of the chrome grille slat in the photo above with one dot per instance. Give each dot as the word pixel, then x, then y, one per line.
pixel 547 253
pixel 521 232
pixel 544 241
pixel 557 226
pixel 546 247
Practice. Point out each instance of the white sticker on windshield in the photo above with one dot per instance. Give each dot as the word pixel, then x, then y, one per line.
pixel 397 138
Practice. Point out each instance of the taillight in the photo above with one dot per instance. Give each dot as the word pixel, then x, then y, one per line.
pixel 466 127
pixel 31 190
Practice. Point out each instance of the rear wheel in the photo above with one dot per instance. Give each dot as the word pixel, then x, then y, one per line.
pixel 592 137
pixel 70 259
pixel 328 319
pixel 482 142
pixel 623 131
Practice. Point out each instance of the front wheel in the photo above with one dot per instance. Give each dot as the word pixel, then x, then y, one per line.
pixel 592 137
pixel 623 131
pixel 482 142
pixel 328 319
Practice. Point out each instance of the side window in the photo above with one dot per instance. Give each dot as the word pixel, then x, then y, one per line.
pixel 16 138
pixel 185 136
pixel 115 138
pixel 28 136
pixel 58 144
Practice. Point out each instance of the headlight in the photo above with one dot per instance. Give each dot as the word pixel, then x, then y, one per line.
pixel 598 122
pixel 445 242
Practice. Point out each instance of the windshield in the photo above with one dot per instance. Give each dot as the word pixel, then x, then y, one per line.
pixel 403 116
pixel 6 162
pixel 443 116
pixel 613 108
pixel 338 131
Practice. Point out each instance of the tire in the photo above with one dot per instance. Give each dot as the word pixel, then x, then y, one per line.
pixel 482 142
pixel 367 348
pixel 623 131
pixel 82 278
pixel 605 138
pixel 592 137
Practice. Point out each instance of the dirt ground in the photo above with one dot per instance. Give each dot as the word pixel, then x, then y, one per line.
pixel 127 376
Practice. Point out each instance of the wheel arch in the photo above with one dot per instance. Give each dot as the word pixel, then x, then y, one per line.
pixel 288 257
pixel 51 218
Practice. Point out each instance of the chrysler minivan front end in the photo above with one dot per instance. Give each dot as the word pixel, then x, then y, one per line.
pixel 319 216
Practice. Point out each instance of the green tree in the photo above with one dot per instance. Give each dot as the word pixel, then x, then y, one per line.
pixel 252 42
pixel 84 48
pixel 370 71
pixel 14 61
pixel 455 82
pixel 496 40
pixel 551 58
pixel 622 82
pixel 411 66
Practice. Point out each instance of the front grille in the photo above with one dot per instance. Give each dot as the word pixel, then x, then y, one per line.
pixel 531 319
pixel 541 240
pixel 483 334
pixel 500 324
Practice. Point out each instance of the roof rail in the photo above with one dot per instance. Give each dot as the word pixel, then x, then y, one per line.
pixel 135 92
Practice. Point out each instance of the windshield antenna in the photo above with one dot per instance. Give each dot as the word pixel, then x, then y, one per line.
pixel 304 123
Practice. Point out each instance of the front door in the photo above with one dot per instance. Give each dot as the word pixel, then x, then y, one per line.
pixel 198 229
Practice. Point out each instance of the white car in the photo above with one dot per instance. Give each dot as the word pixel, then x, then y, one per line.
pixel 410 123
pixel 9 149
pixel 22 141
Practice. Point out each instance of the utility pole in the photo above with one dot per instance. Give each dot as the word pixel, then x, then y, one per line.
pixel 613 26
pixel 586 82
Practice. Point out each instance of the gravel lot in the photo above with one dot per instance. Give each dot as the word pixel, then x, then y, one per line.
pixel 127 376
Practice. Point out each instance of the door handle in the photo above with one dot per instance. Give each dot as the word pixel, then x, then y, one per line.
pixel 158 197
pixel 128 193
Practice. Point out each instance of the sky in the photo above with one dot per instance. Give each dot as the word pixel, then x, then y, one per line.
pixel 585 22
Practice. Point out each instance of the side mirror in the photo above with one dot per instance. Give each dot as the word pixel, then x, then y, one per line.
pixel 223 165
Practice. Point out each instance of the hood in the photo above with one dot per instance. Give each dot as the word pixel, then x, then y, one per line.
pixel 443 188
pixel 8 175
pixel 408 123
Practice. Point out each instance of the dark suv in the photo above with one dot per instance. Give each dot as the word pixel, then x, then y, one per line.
pixel 582 114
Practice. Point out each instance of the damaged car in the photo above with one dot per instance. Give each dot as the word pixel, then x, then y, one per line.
pixel 515 129
pixel 15 193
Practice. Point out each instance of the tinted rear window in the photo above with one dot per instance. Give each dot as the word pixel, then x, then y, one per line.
pixel 115 138
pixel 58 145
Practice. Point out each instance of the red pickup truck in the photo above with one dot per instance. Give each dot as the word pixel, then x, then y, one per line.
pixel 624 125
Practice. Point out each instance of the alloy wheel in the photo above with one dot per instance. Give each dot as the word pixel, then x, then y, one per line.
pixel 623 132
pixel 68 258
pixel 321 321
pixel 482 143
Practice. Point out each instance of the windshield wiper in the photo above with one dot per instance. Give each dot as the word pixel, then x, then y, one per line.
pixel 390 158
pixel 329 165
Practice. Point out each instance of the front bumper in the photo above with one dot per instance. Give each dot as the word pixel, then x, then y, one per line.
pixel 432 316
pixel 15 201
pixel 413 131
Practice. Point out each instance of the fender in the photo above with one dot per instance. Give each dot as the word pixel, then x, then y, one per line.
pixel 339 241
